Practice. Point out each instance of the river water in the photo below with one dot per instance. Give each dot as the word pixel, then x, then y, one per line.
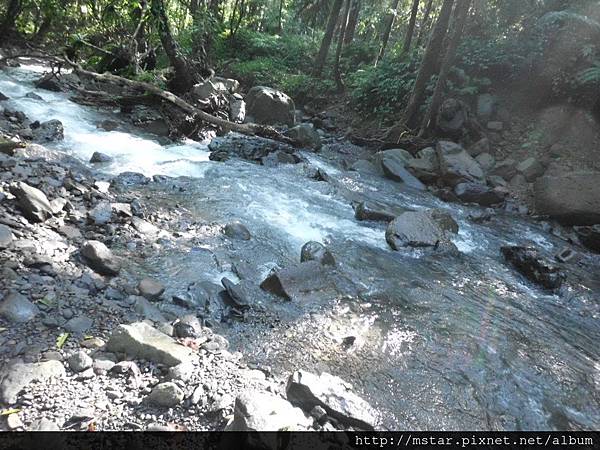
pixel 441 342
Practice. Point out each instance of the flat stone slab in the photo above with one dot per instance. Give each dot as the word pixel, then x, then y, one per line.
pixel 17 376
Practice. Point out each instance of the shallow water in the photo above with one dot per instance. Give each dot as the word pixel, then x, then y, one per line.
pixel 441 342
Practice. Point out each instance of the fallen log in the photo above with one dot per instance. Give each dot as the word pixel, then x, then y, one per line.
pixel 250 129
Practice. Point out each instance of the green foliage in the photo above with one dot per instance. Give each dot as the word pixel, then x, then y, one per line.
pixel 591 75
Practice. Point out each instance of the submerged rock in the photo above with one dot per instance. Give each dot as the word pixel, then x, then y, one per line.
pixel 534 267
pixel 315 251
pixel 49 82
pixel 100 258
pixel 33 203
pixel 334 395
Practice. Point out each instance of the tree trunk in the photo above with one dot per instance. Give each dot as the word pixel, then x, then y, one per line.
pixel 427 65
pixel 280 18
pixel 8 25
pixel 326 42
pixel 340 46
pixel 425 22
pixel 411 25
pixel 387 30
pixel 352 22
pixel 461 12
pixel 185 74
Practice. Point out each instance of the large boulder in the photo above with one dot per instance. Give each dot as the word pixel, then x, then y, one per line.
pixel 99 257
pixel 456 165
pixel 263 411
pixel 415 229
pixel 140 340
pixel 306 136
pixel 269 106
pixel 426 166
pixel 334 395
pixel 17 376
pixel 394 169
pixel 533 266
pixel 203 91
pixel 478 193
pixel 571 198
pixel 252 148
pixel 16 308
pixel 33 203
pixel 51 130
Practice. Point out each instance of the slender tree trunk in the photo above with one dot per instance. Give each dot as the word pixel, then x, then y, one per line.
pixel 185 74
pixel 461 12
pixel 352 22
pixel 8 24
pixel 425 22
pixel 280 18
pixel 387 30
pixel 411 25
pixel 428 65
pixel 340 46
pixel 326 42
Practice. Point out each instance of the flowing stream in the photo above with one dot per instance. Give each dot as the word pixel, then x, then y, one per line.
pixel 441 342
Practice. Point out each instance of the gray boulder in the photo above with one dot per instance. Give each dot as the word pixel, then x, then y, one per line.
pixel 100 258
pixel 203 91
pixel 140 340
pixel 486 161
pixel 456 165
pixel 296 281
pixel 506 169
pixel 334 395
pixel 478 193
pixel 16 308
pixel 33 203
pixel 572 198
pixel 263 411
pixel 252 148
pixel 51 130
pixel 98 157
pixel 237 109
pixel 305 135
pixel 375 211
pixel 18 375
pixel 166 394
pixel 415 229
pixel 531 169
pixel 394 169
pixel 6 236
pixel 315 251
pixel 150 289
pixel 237 230
pixel 80 361
pixel 100 214
pixel 269 106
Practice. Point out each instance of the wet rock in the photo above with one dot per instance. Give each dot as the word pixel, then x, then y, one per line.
pixel 306 136
pixel 278 157
pixel 497 181
pixel 188 326
pixel 34 96
pixel 394 169
pixel 150 289
pixel 107 125
pixel 237 230
pixel 3 97
pixel 166 394
pixel 376 211
pixel 262 411
pixel 143 341
pixel 315 251
pixel 481 216
pixel 49 82
pixel 534 267
pixel 6 236
pixel 425 167
pixel 398 154
pixel 444 220
pixel 565 255
pixel 33 203
pixel 238 296
pixel 251 148
pixel 456 165
pixel 51 130
pixel 414 229
pixel 295 281
pixel 80 361
pixel 365 167
pixel 101 214
pixel 98 157
pixel 16 308
pixel 79 324
pixel 333 394
pixel 269 106
pixel 99 257
pixel 571 198
pixel 17 376
pixel 128 179
pixel 478 193
pixel 589 236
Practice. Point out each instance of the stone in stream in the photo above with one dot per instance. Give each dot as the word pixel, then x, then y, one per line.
pixel 17 309
pixel 237 295
pixel 237 230
pixel 107 125
pixel 34 96
pixel 333 394
pixel 252 148
pixel 571 197
pixel 296 281
pixel 150 289
pixel 166 394
pixel 456 165
pixel 100 214
pixel 478 193
pixel 51 130
pixel 534 267
pixel 306 136
pixel 18 375
pixel 315 251
pixel 369 210
pixel 269 106
pixel 416 229
pixel 98 157
pixel 394 169
pixel 33 203
pixel 49 82
pixel 140 340
pixel 263 411
pixel 6 236
pixel 3 97
pixel 80 361
pixel 99 257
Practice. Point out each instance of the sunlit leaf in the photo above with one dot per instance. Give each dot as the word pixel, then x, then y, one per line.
pixel 60 341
